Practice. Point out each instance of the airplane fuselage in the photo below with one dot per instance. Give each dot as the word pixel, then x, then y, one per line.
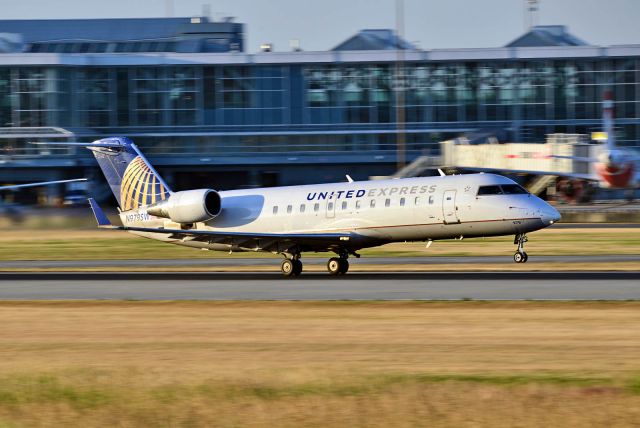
pixel 373 212
pixel 336 217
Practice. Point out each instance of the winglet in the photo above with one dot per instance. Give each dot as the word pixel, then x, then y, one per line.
pixel 100 216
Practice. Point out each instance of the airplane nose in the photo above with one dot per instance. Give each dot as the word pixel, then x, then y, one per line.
pixel 549 215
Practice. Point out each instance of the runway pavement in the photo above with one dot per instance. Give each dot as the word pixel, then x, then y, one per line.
pixel 319 286
pixel 275 261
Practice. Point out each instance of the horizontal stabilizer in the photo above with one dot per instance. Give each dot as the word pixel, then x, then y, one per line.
pixel 100 216
pixel 87 145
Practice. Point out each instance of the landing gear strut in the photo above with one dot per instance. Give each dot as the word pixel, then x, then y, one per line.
pixel 338 265
pixel 291 267
pixel 520 256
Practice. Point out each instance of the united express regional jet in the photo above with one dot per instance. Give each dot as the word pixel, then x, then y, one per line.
pixel 340 217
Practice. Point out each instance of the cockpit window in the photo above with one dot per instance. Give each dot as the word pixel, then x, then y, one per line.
pixel 505 189
pixel 489 190
pixel 513 189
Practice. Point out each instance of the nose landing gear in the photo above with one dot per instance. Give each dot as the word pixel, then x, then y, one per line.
pixel 520 256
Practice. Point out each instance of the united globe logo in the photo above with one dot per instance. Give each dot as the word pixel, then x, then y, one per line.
pixel 140 186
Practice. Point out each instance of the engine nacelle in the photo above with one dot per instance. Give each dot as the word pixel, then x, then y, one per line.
pixel 189 206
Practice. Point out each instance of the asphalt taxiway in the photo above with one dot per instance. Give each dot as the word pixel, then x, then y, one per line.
pixel 319 286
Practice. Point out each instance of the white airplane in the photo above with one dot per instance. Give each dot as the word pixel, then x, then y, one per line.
pixel 339 217
pixel 617 168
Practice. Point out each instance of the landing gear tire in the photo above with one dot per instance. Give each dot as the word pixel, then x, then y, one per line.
pixel 333 266
pixel 288 268
pixel 337 266
pixel 520 257
pixel 297 267
pixel 291 267
pixel 344 266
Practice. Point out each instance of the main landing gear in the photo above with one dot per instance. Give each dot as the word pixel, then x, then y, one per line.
pixel 520 256
pixel 292 265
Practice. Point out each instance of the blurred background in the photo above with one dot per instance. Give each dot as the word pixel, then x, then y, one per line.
pixel 244 94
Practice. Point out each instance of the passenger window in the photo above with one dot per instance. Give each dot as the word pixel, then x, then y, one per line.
pixel 373 203
pixel 302 207
pixel 316 207
pixel 275 209
pixel 417 201
pixel 489 190
pixel 358 204
pixel 387 202
pixel 289 209
pixel 330 206
pixel 431 200
pixel 402 202
pixel 344 205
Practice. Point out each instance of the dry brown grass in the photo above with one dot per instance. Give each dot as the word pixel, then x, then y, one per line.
pixel 319 364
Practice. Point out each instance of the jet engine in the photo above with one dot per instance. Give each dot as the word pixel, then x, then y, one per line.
pixel 189 206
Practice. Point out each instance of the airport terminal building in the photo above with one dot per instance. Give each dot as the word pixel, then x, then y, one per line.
pixel 185 90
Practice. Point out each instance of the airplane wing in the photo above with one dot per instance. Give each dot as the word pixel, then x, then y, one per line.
pixel 588 177
pixel 42 183
pixel 249 240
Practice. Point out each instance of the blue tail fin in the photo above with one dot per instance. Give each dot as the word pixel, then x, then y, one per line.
pixel 133 181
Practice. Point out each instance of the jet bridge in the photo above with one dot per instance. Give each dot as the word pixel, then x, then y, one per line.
pixel 562 155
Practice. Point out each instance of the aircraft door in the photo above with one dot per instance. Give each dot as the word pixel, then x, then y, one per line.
pixel 449 213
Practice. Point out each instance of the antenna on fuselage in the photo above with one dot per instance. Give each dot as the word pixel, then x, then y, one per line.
pixel 349 179
pixel 441 172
